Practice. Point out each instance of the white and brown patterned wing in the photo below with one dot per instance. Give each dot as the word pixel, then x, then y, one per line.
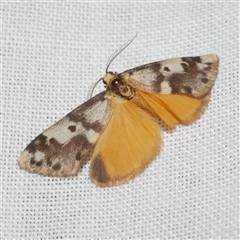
pixel 62 148
pixel 193 76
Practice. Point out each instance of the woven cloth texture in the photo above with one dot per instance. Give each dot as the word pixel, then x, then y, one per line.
pixel 52 53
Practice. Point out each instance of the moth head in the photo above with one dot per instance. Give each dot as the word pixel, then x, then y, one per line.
pixel 115 83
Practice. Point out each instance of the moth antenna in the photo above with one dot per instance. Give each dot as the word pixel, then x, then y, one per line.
pixel 95 84
pixel 116 54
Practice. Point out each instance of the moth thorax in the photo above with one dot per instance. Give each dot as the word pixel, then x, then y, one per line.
pixel 117 85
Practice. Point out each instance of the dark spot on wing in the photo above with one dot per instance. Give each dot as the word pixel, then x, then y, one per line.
pixel 78 142
pixel 176 82
pixel 98 170
pixel 166 69
pixel 72 128
pixel 156 84
pixel 78 116
pixel 32 161
pixel 78 156
pixel 190 64
pixel 185 66
pixel 155 67
pixel 75 148
pixel 204 80
pixel 39 143
pixel 56 167
pixel 55 144
pixel 187 89
pixel 196 59
pixel 96 126
pixel 39 164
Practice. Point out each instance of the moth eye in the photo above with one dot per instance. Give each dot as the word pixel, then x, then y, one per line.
pixel 117 83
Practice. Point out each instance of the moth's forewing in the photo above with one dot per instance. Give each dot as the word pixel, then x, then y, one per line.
pixel 192 76
pixel 176 90
pixel 61 149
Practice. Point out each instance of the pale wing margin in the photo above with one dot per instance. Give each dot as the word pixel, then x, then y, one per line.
pixel 61 149
pixel 193 76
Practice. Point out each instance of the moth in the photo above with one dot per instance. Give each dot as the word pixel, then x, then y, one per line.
pixel 118 129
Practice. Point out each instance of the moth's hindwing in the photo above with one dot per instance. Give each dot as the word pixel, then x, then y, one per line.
pixel 61 149
pixel 127 145
pixel 173 109
pixel 192 76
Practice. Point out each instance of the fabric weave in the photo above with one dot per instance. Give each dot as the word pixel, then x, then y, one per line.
pixel 52 53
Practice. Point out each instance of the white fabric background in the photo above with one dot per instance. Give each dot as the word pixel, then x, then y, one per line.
pixel 52 54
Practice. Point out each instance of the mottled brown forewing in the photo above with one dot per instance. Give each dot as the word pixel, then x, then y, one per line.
pixel 61 149
pixel 193 76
